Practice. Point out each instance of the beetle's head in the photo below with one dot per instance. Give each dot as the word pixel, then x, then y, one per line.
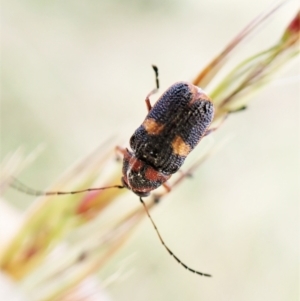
pixel 139 176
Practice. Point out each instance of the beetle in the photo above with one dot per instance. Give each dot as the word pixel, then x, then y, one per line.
pixel 170 131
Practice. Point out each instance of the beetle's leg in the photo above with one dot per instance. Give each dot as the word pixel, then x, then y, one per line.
pixel 157 196
pixel 120 151
pixel 156 76
pixel 168 186
pixel 209 131
pixel 147 100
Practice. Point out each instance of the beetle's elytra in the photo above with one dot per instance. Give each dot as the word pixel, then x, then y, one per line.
pixel 170 131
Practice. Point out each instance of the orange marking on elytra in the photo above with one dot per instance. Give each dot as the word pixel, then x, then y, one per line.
pixel 152 127
pixel 180 147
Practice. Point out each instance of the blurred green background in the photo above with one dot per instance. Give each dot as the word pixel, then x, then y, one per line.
pixel 76 72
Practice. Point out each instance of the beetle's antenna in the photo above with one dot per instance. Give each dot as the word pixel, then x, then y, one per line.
pixel 167 248
pixel 156 76
pixel 16 184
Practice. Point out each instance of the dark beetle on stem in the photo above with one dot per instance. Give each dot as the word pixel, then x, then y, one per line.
pixel 170 131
